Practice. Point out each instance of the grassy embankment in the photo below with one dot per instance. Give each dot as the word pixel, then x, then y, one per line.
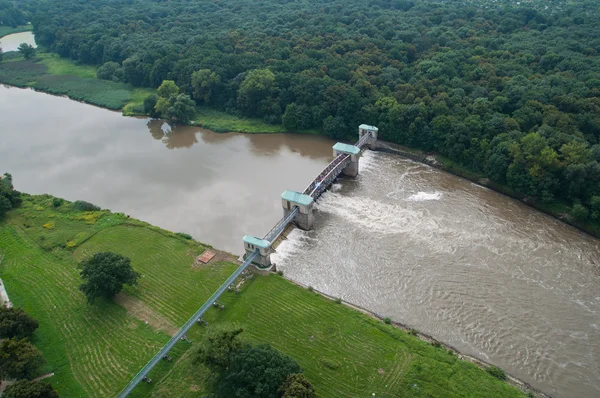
pixel 8 30
pixel 95 350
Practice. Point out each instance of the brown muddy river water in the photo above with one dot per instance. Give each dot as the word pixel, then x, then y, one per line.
pixel 473 268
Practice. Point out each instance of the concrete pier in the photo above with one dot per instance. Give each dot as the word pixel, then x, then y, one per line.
pixel 305 218
pixel 352 169
pixel 371 142
pixel 251 243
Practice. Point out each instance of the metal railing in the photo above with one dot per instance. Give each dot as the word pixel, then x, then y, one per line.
pixel 280 226
pixel 362 140
pixel 184 329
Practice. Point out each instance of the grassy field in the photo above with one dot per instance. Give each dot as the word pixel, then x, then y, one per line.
pixel 342 351
pixel 7 30
pixel 95 350
pixel 220 121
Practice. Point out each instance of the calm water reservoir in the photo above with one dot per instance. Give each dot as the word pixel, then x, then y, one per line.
pixel 12 42
pixel 471 267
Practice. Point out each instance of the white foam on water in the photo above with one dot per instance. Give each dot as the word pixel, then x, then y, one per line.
pixel 335 187
pixel 423 196
pixel 377 216
pixel 368 161
pixel 295 243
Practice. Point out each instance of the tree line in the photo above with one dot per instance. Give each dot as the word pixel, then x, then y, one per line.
pixel 510 90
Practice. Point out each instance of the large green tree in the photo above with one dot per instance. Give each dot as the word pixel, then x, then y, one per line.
pixel 104 275
pixel 19 359
pixel 30 389
pixel 14 322
pixel 217 345
pixel 296 385
pixel 256 371
pixel 27 50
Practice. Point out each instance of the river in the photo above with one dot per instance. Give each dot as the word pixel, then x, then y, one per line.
pixel 12 42
pixel 471 267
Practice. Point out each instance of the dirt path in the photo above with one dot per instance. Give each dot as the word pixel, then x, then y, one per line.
pixel 141 311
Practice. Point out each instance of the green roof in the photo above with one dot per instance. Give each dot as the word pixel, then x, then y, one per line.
pixel 367 127
pixel 263 244
pixel 296 197
pixel 345 148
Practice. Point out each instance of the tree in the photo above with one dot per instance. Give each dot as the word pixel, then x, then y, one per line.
pixel 182 109
pixel 14 322
pixel 204 83
pixel 296 385
pixel 27 50
pixel 19 359
pixel 255 90
pixel 335 127
pixel 5 206
pixel 30 389
pixel 1 54
pixel 105 274
pixel 150 106
pixel 110 71
pixel 256 371
pixel 217 346
pixel 167 89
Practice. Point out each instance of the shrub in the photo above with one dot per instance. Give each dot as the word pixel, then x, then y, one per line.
pixel 436 344
pixel 280 273
pixel 413 332
pixel 184 235
pixel 497 372
pixel 56 202
pixel 310 289
pixel 388 320
pixel 338 300
pixel 330 364
pixel 580 212
pixel 81 205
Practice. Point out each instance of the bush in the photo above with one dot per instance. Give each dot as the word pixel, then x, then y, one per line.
pixel 436 344
pixel 497 372
pixel 328 363
pixel 280 273
pixel 338 300
pixel 149 104
pixel 413 332
pixel 184 235
pixel 580 212
pixel 110 71
pixel 81 205
pixel 388 321
pixel 310 289
pixel 56 202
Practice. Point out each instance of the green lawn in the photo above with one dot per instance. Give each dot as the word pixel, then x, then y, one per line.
pixel 343 352
pixel 8 30
pixel 220 121
pixel 95 350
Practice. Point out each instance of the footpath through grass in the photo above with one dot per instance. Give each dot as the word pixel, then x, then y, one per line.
pixel 94 350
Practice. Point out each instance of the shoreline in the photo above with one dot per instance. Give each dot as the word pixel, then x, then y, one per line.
pixel 510 379
pixel 433 161
pixel 417 155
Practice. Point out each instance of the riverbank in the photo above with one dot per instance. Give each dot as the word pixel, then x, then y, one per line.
pixel 560 211
pixel 95 350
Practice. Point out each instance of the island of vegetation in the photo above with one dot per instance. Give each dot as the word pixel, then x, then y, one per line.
pixel 98 293
pixel 502 91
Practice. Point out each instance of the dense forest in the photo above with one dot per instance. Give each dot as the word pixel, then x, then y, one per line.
pixel 508 88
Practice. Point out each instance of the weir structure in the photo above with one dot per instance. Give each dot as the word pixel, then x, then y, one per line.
pixel 298 208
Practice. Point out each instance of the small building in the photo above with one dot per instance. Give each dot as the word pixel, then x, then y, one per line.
pixel 304 219
pixel 251 244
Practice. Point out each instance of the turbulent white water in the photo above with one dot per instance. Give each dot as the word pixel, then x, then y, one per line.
pixel 473 268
